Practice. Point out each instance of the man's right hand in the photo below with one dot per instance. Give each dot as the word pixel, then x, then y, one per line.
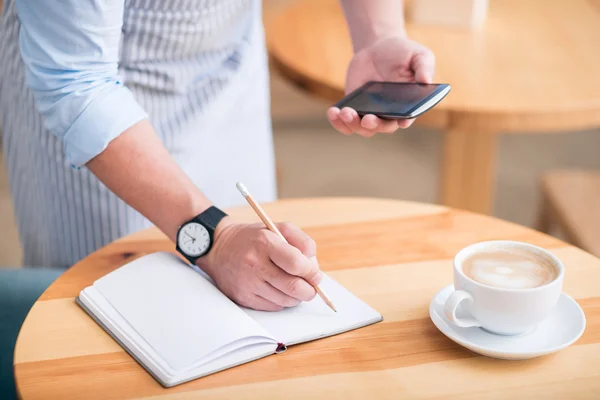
pixel 258 270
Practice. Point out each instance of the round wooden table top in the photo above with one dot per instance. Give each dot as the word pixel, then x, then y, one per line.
pixel 394 255
pixel 530 68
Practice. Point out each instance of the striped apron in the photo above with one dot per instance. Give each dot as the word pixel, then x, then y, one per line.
pixel 199 68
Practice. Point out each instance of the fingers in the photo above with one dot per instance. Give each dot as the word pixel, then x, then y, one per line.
pixel 307 246
pixel 269 292
pixel 258 297
pixel 298 238
pixel 405 123
pixel 292 261
pixel 423 66
pixel 348 121
pixel 259 303
pixel 333 114
pixel 290 285
pixel 374 124
pixel 353 121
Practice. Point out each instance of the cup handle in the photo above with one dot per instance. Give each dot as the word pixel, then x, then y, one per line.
pixel 451 305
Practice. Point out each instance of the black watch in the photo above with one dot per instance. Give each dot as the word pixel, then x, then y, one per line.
pixel 195 237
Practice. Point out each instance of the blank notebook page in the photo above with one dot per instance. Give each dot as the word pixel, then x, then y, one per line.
pixel 314 319
pixel 181 315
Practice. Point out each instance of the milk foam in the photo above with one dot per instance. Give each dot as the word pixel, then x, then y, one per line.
pixel 508 270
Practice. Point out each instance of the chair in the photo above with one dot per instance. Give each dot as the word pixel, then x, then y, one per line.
pixel 571 203
pixel 19 289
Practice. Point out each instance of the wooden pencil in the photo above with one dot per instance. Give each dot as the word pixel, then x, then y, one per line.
pixel 271 226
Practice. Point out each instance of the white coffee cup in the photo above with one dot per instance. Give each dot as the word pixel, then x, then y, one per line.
pixel 502 311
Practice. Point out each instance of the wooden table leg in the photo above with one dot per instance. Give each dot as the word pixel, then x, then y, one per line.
pixel 468 169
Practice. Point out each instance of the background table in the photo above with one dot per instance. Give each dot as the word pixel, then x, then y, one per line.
pixel 394 255
pixel 529 70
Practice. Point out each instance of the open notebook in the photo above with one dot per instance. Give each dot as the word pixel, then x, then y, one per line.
pixel 175 322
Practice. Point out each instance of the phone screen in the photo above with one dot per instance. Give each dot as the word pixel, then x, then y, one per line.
pixel 390 98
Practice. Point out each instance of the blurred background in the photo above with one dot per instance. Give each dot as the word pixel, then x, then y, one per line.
pixel 315 160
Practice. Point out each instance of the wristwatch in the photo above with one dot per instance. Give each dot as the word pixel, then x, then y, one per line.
pixel 195 237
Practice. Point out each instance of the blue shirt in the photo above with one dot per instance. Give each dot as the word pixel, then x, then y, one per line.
pixel 197 67
pixel 71 52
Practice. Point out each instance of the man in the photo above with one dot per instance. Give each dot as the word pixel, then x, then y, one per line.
pixel 120 114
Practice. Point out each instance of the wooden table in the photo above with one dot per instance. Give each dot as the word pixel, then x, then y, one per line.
pixel 394 255
pixel 529 70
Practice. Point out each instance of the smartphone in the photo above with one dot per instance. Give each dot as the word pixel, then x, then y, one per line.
pixel 395 100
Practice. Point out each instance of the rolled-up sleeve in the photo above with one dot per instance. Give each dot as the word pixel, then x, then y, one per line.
pixel 71 52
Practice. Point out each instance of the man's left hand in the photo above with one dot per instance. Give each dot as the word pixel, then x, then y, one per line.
pixel 394 59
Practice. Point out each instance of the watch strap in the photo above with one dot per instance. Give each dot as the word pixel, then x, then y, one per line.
pixel 211 217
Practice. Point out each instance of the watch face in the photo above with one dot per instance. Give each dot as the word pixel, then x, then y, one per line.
pixel 193 239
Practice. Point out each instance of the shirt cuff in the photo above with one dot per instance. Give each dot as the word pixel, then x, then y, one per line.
pixel 100 122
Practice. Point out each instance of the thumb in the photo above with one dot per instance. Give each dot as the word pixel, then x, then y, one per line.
pixel 307 246
pixel 319 275
pixel 423 66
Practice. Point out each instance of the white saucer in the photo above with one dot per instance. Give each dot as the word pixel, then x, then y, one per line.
pixel 561 329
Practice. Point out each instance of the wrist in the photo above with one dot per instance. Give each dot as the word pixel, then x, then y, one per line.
pixel 371 21
pixel 222 226
pixel 219 239
pixel 183 206
pixel 370 39
pixel 197 235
